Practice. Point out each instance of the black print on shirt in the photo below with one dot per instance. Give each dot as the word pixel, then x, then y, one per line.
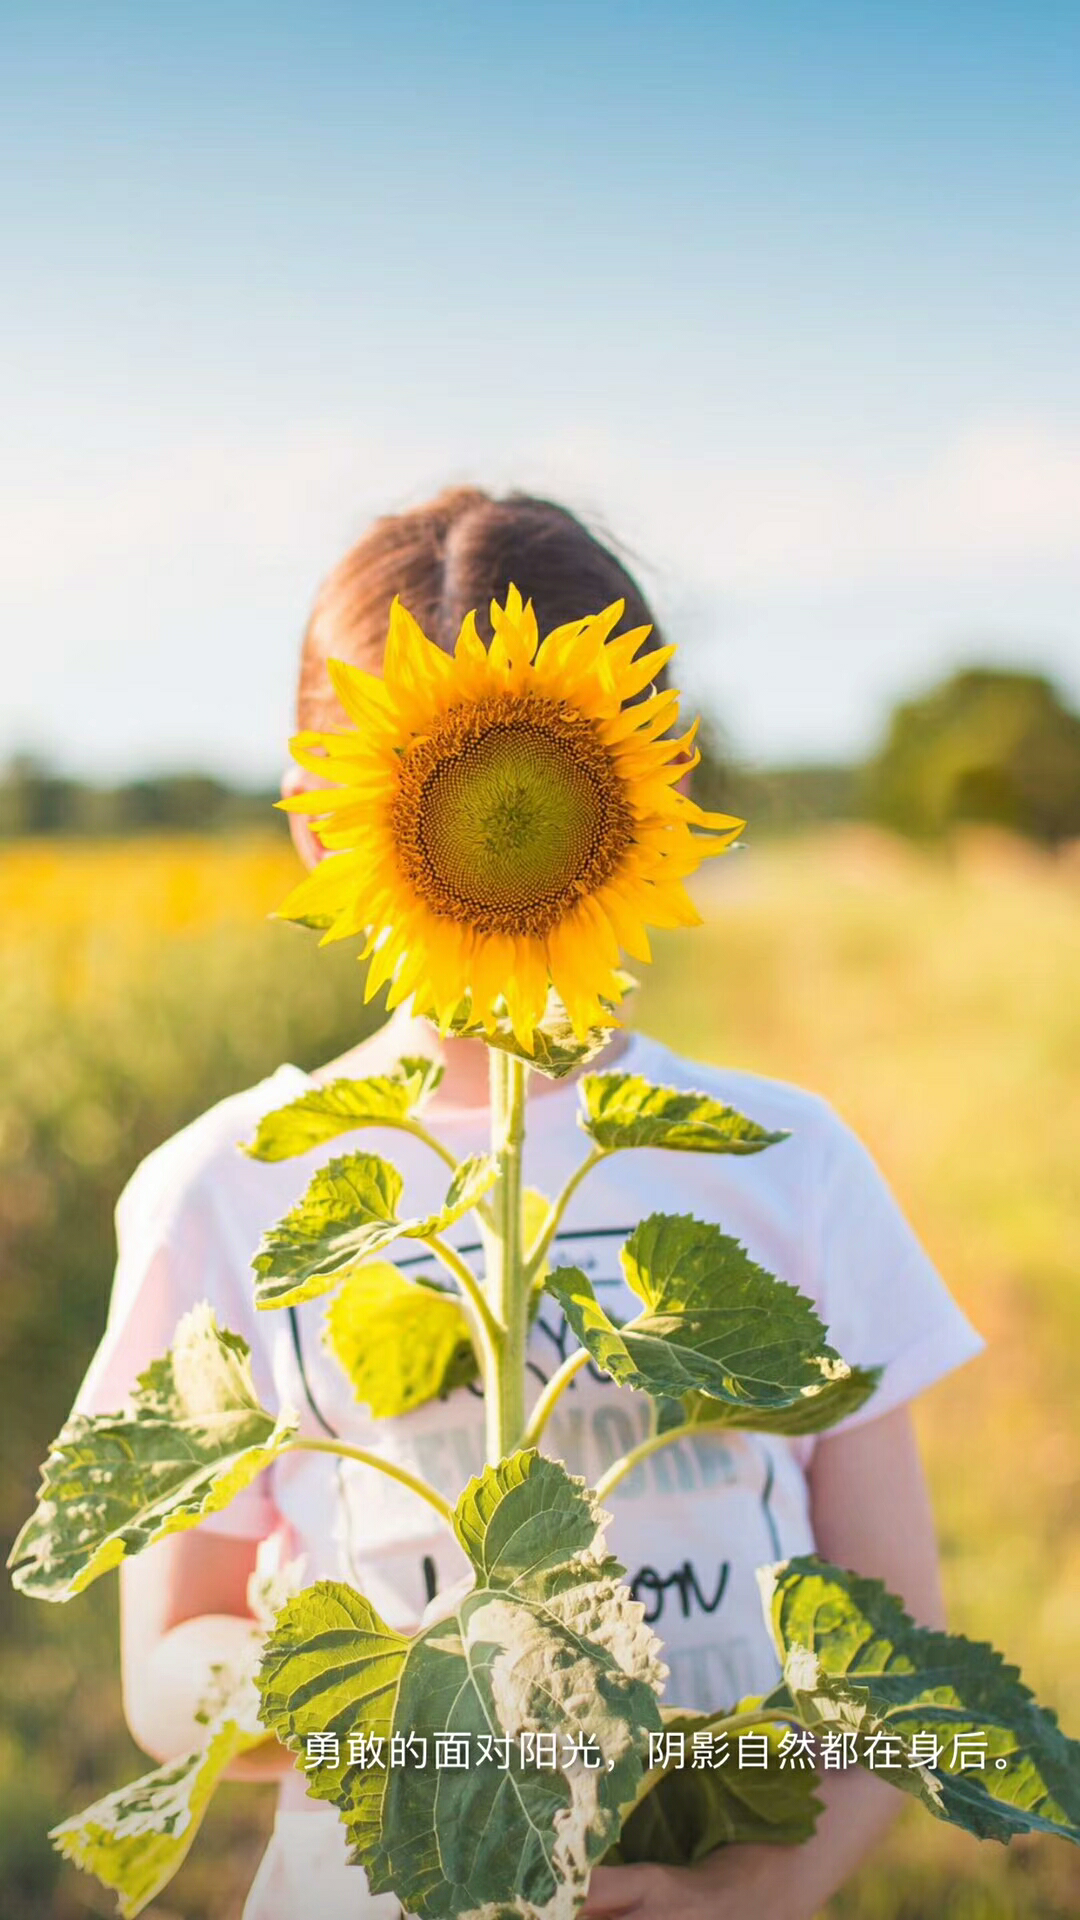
pixel 685 1582
pixel 430 1574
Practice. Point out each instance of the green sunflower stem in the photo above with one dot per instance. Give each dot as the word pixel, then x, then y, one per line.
pixel 366 1458
pixel 507 1283
pixel 626 1462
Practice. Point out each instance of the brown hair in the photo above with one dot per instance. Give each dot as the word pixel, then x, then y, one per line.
pixel 458 552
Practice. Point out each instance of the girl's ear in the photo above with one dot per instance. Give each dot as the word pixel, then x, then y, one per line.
pixel 309 848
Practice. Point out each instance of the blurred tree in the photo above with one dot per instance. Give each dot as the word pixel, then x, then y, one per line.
pixel 36 800
pixel 33 799
pixel 987 744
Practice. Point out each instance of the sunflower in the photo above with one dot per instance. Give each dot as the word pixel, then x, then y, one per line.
pixel 505 817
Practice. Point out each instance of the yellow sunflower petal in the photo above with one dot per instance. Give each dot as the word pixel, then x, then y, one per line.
pixel 515 637
pixel 325 890
pixel 627 925
pixel 493 956
pixel 645 721
pixel 605 622
pixel 324 765
pixel 333 743
pixel 526 988
pixel 727 823
pixel 446 947
pixel 473 672
pixel 363 695
pixel 633 677
pixel 603 940
pixel 554 646
pixel 582 978
pixel 418 674
pixel 382 966
pixel 623 646
pixel 502 818
pixel 363 822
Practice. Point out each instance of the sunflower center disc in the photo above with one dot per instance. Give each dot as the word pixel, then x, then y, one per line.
pixel 509 812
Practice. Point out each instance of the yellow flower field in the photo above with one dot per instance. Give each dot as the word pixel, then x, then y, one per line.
pixel 932 997
pixel 72 888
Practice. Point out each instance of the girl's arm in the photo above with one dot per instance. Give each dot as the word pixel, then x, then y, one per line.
pixel 183 1610
pixel 871 1512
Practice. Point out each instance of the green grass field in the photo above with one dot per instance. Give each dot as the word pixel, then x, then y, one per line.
pixel 932 997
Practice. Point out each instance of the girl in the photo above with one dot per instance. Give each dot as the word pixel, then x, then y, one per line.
pixel 692 1523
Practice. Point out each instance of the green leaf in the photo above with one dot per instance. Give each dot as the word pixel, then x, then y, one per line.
pixel 325 1112
pixel 816 1409
pixel 193 1437
pixel 715 1321
pixel 546 1642
pixel 400 1344
pixel 855 1661
pixel 687 1812
pixel 555 1049
pixel 135 1840
pixel 348 1213
pixel 623 1110
pixel 523 1517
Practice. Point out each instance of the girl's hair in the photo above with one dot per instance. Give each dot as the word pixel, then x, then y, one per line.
pixel 458 552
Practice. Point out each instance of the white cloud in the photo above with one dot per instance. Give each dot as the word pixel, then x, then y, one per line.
pixel 996 493
pixel 819 589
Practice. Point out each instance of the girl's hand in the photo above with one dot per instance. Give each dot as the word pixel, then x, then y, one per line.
pixel 732 1884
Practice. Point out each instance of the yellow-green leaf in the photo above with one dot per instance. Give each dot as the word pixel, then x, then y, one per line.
pixel 472 1179
pixel 325 1112
pixel 349 1213
pixel 135 1840
pixel 622 1110
pixel 856 1662
pixel 400 1344
pixel 715 1321
pixel 816 1409
pixel 193 1437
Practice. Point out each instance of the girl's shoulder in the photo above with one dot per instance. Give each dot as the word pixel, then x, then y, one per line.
pixel 203 1158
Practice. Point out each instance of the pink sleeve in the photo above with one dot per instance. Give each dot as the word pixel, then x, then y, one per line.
pixel 169 1258
pixel 881 1297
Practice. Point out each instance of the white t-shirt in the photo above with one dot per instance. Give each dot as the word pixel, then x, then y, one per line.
pixel 693 1522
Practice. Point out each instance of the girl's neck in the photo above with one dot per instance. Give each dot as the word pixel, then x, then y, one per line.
pixel 464 1085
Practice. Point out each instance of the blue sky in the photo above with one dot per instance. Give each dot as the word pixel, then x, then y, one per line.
pixel 786 296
